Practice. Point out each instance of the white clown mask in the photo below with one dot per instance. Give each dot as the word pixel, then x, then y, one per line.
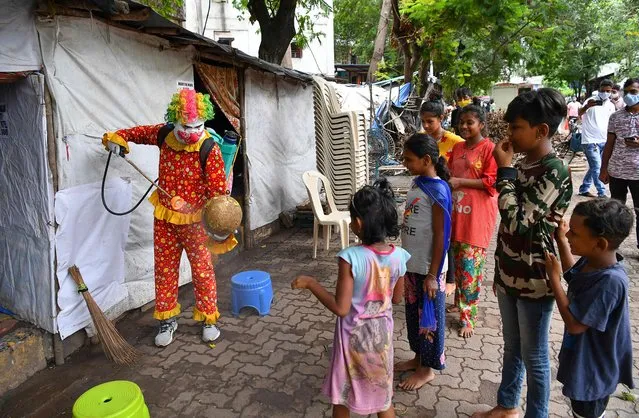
pixel 189 133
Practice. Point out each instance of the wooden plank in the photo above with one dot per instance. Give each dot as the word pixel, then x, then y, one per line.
pixel 249 236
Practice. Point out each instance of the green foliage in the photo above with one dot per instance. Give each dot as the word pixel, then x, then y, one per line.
pixel 627 395
pixel 167 8
pixel 478 42
pixel 585 35
pixel 307 12
pixel 471 42
pixel 385 71
pixel 355 29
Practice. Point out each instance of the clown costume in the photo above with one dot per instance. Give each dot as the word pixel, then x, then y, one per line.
pixel 178 227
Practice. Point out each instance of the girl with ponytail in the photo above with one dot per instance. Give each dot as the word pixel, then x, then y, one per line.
pixel 360 377
pixel 426 236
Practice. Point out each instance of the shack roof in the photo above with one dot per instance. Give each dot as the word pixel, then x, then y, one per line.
pixel 145 20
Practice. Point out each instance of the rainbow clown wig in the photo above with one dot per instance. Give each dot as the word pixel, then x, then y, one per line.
pixel 187 106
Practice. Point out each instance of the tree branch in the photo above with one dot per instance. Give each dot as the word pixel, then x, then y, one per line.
pixel 504 43
pixel 258 11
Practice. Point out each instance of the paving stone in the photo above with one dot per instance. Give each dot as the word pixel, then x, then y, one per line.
pixel 210 398
pixel 181 400
pixel 446 407
pixel 252 369
pixel 317 410
pixel 470 379
pixel 559 408
pixel 466 409
pixel 427 397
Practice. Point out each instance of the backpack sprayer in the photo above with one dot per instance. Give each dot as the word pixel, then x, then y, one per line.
pixel 229 146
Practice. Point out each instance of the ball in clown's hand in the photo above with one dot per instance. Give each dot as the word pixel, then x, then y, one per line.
pixel 221 216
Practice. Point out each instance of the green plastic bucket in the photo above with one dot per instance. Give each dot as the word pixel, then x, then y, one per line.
pixel 116 399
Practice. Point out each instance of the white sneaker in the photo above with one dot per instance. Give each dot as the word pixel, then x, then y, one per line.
pixel 210 333
pixel 165 333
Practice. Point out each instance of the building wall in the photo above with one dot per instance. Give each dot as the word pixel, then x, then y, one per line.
pixel 227 22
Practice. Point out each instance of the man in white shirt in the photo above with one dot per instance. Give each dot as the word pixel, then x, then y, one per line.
pixel 594 131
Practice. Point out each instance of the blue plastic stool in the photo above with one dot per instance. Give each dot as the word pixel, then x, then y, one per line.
pixel 251 288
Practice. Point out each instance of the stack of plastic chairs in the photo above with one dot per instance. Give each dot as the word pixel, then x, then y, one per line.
pixel 342 149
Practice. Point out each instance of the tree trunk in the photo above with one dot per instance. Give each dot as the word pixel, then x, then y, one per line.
pixel 274 44
pixel 409 49
pixel 277 31
pixel 380 40
pixel 424 83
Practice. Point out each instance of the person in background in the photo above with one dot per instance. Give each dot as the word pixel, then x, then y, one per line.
pixel 432 114
pixel 594 130
pixel 620 165
pixel 617 98
pixel 463 97
pixel 573 108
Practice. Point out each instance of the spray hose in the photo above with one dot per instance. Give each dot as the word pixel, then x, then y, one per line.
pixel 106 169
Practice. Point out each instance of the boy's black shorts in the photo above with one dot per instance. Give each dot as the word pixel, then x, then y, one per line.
pixel 589 409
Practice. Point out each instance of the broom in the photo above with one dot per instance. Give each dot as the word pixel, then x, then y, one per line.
pixel 115 347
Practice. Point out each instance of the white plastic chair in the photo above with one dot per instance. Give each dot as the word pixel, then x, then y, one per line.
pixel 342 219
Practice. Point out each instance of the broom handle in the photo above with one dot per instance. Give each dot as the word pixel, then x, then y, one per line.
pixel 74 271
pixel 146 177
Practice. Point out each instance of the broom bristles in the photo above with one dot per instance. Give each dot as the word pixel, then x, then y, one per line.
pixel 114 346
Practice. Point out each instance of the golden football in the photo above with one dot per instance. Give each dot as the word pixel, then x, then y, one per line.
pixel 221 216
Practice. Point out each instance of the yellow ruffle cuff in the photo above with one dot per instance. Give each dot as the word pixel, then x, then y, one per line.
pixel 167 314
pixel 217 247
pixel 176 218
pixel 209 319
pixel 113 137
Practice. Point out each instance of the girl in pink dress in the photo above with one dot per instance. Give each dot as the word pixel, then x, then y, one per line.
pixel 360 376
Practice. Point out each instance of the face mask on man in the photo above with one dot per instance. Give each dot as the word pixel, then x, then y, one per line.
pixel 604 95
pixel 614 95
pixel 464 103
pixel 631 99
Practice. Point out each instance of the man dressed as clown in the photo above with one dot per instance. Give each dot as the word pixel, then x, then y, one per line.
pixel 191 179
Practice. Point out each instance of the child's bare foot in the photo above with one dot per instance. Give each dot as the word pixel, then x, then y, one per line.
pixel 452 308
pixel 466 332
pixel 419 378
pixel 405 366
pixel 497 412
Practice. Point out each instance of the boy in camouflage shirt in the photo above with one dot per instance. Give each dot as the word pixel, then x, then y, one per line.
pixel 533 196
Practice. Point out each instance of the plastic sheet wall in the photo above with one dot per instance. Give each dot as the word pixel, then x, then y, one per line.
pixel 19 49
pixel 280 144
pixel 26 224
pixel 102 79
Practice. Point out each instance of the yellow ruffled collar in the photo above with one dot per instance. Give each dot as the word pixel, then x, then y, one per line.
pixel 176 145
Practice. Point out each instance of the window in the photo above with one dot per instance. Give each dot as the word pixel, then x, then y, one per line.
pixel 296 51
